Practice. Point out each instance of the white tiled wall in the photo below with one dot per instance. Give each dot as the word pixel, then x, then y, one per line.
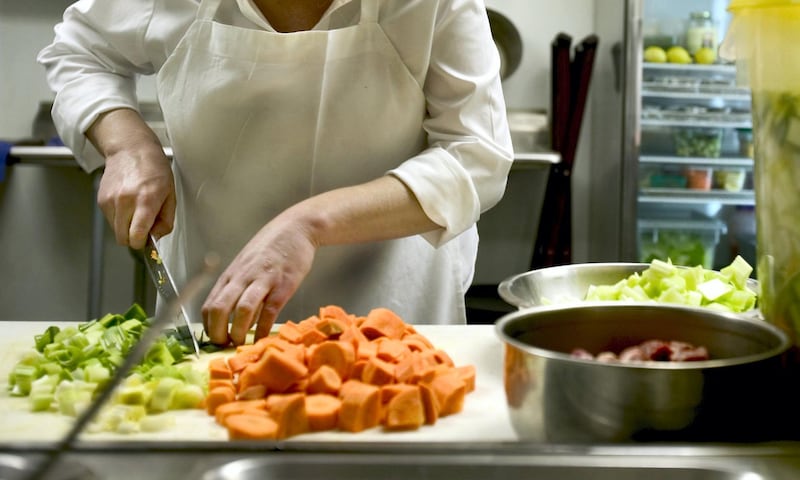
pixel 45 211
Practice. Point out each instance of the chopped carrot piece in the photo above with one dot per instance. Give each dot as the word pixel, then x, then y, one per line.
pixel 361 406
pixel 443 358
pixel 217 382
pixel 217 397
pixel 239 406
pixel 450 391
pixel 404 369
pixel 290 332
pixel 279 370
pixel 312 337
pixel 467 375
pixel 245 426
pixel 238 361
pixel 378 372
pixel 358 369
pixel 253 392
pixel 382 322
pixel 405 411
pixel 353 335
pixel 332 328
pixel 334 312
pixel 309 323
pixel 324 380
pixel 289 411
pixel 430 404
pixel 366 349
pixel 218 369
pixel 336 354
pixel 418 338
pixel 392 350
pixel 415 344
pixel 300 386
pixel 389 391
pixel 322 411
pixel 297 351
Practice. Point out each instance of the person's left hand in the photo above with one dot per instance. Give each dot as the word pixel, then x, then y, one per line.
pixel 260 281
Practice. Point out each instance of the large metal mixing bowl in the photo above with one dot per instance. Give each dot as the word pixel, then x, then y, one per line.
pixel 568 283
pixel 553 396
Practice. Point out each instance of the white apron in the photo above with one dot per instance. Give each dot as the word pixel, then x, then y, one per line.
pixel 260 120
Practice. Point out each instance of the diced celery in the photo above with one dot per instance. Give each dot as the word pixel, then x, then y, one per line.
pixel 133 395
pixel 738 271
pixel 713 289
pixel 163 394
pixel 187 396
pixel 695 286
pixel 22 378
pixel 135 312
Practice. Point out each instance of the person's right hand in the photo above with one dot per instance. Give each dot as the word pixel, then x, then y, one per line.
pixel 137 195
pixel 137 190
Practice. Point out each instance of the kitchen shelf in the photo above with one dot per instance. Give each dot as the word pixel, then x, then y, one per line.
pixel 721 69
pixel 745 162
pixel 695 197
pixel 689 123
pixel 708 96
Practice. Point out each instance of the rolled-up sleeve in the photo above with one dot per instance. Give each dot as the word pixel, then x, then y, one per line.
pixel 99 49
pixel 463 171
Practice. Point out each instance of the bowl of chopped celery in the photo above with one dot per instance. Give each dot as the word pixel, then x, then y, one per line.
pixel 730 289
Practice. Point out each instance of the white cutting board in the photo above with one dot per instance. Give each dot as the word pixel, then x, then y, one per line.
pixel 484 418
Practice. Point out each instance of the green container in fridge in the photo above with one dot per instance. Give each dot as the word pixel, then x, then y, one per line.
pixel 764 40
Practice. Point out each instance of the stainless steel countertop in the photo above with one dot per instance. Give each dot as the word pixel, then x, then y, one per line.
pixel 779 461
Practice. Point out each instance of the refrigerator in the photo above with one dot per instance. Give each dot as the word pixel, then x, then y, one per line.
pixel 672 144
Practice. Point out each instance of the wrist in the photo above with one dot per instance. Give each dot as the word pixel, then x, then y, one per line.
pixel 122 130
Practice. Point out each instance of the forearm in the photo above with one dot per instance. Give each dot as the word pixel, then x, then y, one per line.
pixel 381 209
pixel 121 130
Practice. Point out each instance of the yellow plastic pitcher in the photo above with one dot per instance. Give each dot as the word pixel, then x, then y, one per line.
pixel 764 40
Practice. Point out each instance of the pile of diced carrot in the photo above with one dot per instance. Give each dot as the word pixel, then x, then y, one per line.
pixel 332 371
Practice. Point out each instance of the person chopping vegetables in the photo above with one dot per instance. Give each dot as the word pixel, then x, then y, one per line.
pixel 329 151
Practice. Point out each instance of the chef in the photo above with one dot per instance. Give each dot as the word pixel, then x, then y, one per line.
pixel 329 151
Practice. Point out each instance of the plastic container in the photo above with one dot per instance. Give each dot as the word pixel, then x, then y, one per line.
pixel 746 148
pixel 698 142
pixel 687 242
pixel 764 40
pixel 699 178
pixel 729 179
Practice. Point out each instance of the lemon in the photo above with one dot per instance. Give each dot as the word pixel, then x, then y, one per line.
pixel 678 55
pixel 655 54
pixel 705 55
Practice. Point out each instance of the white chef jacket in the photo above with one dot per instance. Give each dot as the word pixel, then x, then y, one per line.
pixel 101 46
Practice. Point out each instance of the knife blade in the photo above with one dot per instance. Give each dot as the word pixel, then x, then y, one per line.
pixel 165 286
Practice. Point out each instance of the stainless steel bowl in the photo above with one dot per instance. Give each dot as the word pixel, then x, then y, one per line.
pixel 553 396
pixel 568 283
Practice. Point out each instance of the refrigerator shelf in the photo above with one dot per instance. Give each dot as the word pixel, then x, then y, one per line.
pixel 720 69
pixel 695 197
pixel 699 123
pixel 708 94
pixel 743 162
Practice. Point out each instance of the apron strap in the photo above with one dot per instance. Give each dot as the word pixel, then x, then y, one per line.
pixel 208 9
pixel 369 11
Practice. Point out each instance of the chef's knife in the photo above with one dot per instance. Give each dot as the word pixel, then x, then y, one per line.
pixel 166 288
